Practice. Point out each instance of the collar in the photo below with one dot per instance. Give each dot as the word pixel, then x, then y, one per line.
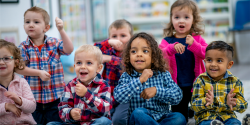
pixel 226 75
pixel 137 74
pixel 29 41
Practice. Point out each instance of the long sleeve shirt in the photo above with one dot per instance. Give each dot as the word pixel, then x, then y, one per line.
pixel 219 108
pixel 19 86
pixel 129 90
pixel 95 104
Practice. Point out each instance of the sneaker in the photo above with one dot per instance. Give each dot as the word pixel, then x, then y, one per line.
pixel 216 122
pixel 246 120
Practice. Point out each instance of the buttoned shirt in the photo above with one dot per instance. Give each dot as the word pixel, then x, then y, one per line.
pixel 49 60
pixel 221 88
pixel 94 104
pixel 167 93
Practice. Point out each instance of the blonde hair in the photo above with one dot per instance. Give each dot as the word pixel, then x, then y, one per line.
pixel 91 49
pixel 44 13
pixel 197 20
pixel 118 24
pixel 19 64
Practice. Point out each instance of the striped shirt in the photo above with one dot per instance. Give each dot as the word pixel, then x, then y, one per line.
pixel 95 103
pixel 219 108
pixel 129 90
pixel 49 60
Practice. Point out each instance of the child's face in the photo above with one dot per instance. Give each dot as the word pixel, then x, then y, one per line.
pixel 6 68
pixel 217 63
pixel 34 25
pixel 121 34
pixel 86 67
pixel 182 21
pixel 140 55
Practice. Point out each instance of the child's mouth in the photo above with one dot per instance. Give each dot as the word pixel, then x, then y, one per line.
pixel 83 73
pixel 182 26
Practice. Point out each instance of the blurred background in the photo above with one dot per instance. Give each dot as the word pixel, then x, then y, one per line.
pixel 87 21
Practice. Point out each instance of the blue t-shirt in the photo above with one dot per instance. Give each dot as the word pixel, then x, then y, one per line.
pixel 185 63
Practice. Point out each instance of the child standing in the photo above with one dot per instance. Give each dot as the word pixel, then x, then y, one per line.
pixel 146 84
pixel 120 31
pixel 42 52
pixel 184 49
pixel 86 99
pixel 218 93
pixel 17 101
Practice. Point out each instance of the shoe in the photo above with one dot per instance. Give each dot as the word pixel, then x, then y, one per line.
pixel 246 120
pixel 216 122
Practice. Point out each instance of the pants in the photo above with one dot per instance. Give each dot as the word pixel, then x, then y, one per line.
pixel 231 121
pixel 48 112
pixel 120 114
pixel 182 107
pixel 141 116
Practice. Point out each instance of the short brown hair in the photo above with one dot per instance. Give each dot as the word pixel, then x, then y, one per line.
pixel 44 13
pixel 158 64
pixel 16 53
pixel 197 20
pixel 118 24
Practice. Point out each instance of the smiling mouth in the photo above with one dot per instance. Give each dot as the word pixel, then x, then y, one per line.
pixel 213 69
pixel 83 73
pixel 139 61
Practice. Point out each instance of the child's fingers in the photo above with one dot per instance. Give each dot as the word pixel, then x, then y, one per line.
pixel 212 89
pixel 231 107
pixel 232 90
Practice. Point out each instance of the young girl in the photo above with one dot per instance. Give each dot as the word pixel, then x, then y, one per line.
pixel 17 101
pixel 147 85
pixel 184 48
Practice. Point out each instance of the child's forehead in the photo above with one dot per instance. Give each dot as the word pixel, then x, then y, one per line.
pixel 179 8
pixel 216 53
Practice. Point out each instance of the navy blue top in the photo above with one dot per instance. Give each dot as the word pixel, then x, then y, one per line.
pixel 185 63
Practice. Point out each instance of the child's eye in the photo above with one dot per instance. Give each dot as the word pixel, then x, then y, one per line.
pixel 209 60
pixel 219 60
pixel 186 17
pixel 123 35
pixel 133 51
pixel 176 17
pixel 89 63
pixel 36 22
pixel 78 63
pixel 27 22
pixel 7 59
pixel 145 51
pixel 114 36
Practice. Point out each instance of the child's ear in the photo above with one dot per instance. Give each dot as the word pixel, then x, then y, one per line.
pixel 99 68
pixel 230 64
pixel 47 27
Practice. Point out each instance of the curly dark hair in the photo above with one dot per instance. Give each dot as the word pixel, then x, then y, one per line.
pixel 158 61
pixel 19 63
pixel 221 46
pixel 197 20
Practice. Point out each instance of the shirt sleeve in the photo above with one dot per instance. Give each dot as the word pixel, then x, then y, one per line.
pixel 126 88
pixel 22 49
pixel 59 45
pixel 2 109
pixel 171 92
pixel 99 103
pixel 167 48
pixel 198 98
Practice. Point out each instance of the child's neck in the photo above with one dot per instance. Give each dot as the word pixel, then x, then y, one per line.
pixel 176 35
pixel 5 80
pixel 38 41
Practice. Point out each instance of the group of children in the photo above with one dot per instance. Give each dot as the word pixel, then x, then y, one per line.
pixel 140 83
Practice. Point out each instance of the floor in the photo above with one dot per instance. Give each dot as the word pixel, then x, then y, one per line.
pixel 243 73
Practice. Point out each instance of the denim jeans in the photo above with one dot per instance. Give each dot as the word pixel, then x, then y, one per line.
pixel 100 121
pixel 141 116
pixel 120 114
pixel 231 121
pixel 48 112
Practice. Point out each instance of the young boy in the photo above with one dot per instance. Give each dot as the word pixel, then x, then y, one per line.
pixel 120 31
pixel 86 99
pixel 217 93
pixel 42 52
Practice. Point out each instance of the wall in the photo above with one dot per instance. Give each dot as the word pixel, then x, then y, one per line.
pixel 11 16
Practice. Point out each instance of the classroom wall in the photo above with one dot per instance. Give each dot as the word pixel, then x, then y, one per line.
pixel 11 16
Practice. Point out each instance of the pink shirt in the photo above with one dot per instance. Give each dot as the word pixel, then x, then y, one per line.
pixel 21 87
pixel 198 48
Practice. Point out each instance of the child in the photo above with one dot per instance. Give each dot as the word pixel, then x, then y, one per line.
pixel 42 52
pixel 86 99
pixel 217 93
pixel 120 31
pixel 17 101
pixel 146 84
pixel 184 49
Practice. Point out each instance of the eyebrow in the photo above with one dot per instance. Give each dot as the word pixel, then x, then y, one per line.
pixel 142 47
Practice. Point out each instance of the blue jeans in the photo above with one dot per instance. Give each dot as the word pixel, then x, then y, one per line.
pixel 231 121
pixel 141 116
pixel 120 114
pixel 48 112
pixel 100 121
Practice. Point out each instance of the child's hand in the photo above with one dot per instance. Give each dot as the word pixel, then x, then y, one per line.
pixel 189 40
pixel 147 73
pixel 80 89
pixel 59 24
pixel 179 48
pixel 231 101
pixel 75 113
pixel 45 76
pixel 116 44
pixel 9 107
pixel 210 96
pixel 106 58
pixel 14 97
pixel 148 93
